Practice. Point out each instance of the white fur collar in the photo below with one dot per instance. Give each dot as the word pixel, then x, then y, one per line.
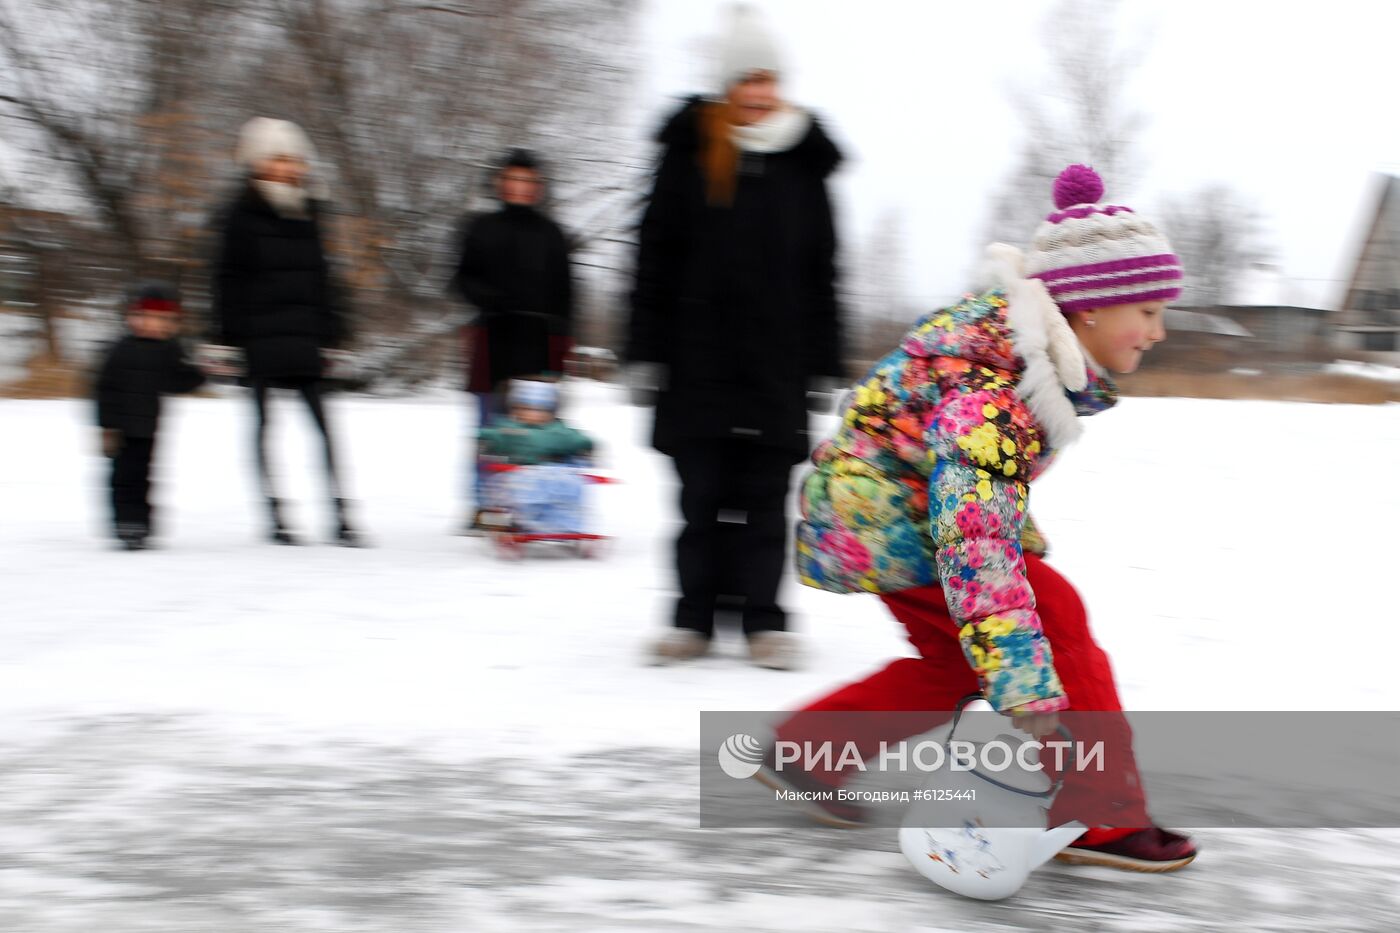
pixel 286 200
pixel 779 133
pixel 1044 340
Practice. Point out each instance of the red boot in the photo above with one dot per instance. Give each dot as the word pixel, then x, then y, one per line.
pixel 1149 850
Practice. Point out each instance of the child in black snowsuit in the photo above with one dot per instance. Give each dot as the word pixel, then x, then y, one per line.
pixel 139 368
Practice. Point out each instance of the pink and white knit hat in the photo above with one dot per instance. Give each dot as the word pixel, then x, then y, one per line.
pixel 1092 255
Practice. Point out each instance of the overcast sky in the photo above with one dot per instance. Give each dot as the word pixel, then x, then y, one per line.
pixel 1292 104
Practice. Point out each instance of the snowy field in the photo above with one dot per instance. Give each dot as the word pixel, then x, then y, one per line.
pixel 223 735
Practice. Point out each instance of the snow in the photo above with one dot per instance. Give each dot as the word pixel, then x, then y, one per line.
pixel 1365 370
pixel 222 734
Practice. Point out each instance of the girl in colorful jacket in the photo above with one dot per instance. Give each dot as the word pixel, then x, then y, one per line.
pixel 921 496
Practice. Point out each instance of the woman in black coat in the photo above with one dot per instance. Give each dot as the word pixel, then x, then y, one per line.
pixel 274 297
pixel 735 314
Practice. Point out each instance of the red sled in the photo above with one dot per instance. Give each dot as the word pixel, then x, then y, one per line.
pixel 510 545
pixel 598 478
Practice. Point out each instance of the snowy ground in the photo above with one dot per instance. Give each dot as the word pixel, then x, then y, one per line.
pixel 224 736
pixel 1365 370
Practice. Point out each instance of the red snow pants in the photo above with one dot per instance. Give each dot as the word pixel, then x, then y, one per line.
pixel 940 677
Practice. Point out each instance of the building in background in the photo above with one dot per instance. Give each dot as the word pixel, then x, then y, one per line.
pixel 1368 325
pixel 1256 338
pixel 1264 330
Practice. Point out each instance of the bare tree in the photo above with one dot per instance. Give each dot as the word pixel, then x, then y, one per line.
pixel 110 94
pixel 131 107
pixel 37 238
pixel 1079 113
pixel 1218 233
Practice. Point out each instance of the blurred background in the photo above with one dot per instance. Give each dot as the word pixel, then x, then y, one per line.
pixel 1262 145
pixel 228 736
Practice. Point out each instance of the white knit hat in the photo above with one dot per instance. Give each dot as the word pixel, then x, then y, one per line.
pixel 263 138
pixel 1093 255
pixel 745 46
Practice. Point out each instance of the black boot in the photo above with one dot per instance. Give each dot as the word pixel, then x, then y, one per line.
pixel 133 535
pixel 345 536
pixel 280 533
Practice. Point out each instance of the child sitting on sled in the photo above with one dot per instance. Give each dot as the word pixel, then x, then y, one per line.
pixel 535 461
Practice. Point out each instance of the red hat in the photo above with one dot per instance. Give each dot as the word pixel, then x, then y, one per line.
pixel 155 298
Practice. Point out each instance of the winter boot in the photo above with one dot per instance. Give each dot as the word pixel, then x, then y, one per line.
pixel 133 535
pixel 777 651
pixel 1147 850
pixel 679 644
pixel 345 536
pixel 280 533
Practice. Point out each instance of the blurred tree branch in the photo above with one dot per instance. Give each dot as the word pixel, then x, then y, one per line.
pixel 130 109
pixel 1218 234
pixel 1078 113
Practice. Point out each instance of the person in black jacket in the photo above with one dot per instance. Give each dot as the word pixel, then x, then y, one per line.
pixel 514 271
pixel 137 370
pixel 734 319
pixel 274 296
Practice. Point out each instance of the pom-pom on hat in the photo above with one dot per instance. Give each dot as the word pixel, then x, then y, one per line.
pixel 1093 255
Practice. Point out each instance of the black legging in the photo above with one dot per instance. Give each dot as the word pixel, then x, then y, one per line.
pixel 311 394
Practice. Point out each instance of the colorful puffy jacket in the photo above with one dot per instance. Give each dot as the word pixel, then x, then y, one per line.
pixel 927 478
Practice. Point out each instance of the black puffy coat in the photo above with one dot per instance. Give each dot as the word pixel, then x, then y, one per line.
pixel 273 292
pixel 136 372
pixel 514 269
pixel 738 302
